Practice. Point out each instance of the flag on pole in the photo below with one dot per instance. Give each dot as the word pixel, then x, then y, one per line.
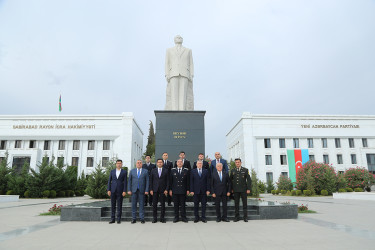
pixel 296 158
pixel 60 107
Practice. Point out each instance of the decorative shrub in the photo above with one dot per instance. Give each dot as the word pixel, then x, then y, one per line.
pixel 298 192
pixel 45 193
pixel 52 194
pixel 324 192
pixel 273 192
pixel 26 194
pixel 315 177
pixel 358 190
pixel 341 181
pixel 359 178
pixel 342 190
pixel 293 193
pixel 288 193
pixel 278 191
pixel 270 186
pixel 283 191
pixel 284 183
pixel 61 194
pixel 9 192
pixel 71 194
pixel 306 192
pixel 261 187
pixel 349 189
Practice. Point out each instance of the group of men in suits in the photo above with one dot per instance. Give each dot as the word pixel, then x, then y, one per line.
pixel 166 182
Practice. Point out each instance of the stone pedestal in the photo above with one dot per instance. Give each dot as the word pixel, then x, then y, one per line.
pixel 179 131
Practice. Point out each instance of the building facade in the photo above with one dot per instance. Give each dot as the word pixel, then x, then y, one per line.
pixel 82 140
pixel 262 141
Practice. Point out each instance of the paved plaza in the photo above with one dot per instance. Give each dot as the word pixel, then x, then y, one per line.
pixel 338 224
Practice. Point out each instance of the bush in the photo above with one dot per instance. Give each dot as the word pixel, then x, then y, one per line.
pixel 79 193
pixel 298 192
pixel 341 182
pixel 82 182
pixel 71 194
pixel 10 192
pixel 288 193
pixel 4 174
pixel 261 187
pixel 254 184
pixel 270 186
pixel 284 183
pixel 273 192
pixel 17 179
pixel 349 189
pixel 26 194
pixel 342 190
pixel 97 183
pixel 324 192
pixel 61 194
pixel 52 194
pixel 283 191
pixel 45 193
pixel 358 190
pixel 68 193
pixel 293 192
pixel 315 177
pixel 359 178
pixel 306 192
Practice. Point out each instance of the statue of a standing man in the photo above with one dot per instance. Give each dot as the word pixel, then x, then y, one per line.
pixel 179 72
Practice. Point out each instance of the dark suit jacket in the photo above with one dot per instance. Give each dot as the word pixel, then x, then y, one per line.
pixel 159 184
pixel 117 185
pixel 149 168
pixel 205 165
pixel 186 164
pixel 168 166
pixel 220 187
pixel 199 184
pixel 224 162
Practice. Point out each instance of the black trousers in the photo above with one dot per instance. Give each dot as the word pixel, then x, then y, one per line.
pixel 223 199
pixel 116 197
pixel 237 196
pixel 158 196
pixel 148 199
pixel 200 198
pixel 179 200
pixel 169 199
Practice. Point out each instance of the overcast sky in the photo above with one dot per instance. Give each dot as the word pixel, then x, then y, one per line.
pixel 264 57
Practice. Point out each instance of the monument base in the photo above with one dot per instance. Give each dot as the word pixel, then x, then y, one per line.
pixel 178 131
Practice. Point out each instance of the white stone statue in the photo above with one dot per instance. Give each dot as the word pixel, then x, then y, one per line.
pixel 179 72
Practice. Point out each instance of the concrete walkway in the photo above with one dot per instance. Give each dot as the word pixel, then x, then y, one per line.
pixel 339 224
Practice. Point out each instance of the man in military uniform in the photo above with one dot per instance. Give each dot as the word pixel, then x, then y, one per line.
pixel 179 183
pixel 241 184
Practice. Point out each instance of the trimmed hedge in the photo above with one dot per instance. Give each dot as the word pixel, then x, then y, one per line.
pixel 349 189
pixel 61 194
pixel 10 192
pixel 27 194
pixel 306 192
pixel 293 193
pixel 52 194
pixel 342 190
pixel 45 193
pixel 324 192
pixel 298 192
pixel 358 190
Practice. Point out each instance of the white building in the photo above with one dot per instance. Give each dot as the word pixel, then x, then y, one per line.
pixel 83 140
pixel 262 141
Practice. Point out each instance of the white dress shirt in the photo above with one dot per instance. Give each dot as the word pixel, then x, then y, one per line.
pixel 118 171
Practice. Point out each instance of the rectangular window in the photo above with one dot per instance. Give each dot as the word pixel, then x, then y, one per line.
pixel 364 142
pixel 311 157
pixel 32 144
pixel 324 143
pixel 351 143
pixel 17 144
pixel 268 159
pixel 295 142
pixel 325 159
pixel 371 162
pixel 90 162
pixel 339 159
pixel 47 145
pixel 91 145
pixel 61 145
pixel 353 158
pixel 267 143
pixel 337 143
pixel 284 174
pixel 341 172
pixel 3 145
pixel 310 142
pixel 76 144
pixel 282 143
pixel 283 160
pixel 269 176
pixel 75 161
pixel 105 161
pixel 106 145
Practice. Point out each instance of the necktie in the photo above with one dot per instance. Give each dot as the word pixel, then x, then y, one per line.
pixel 159 172
pixel 165 163
pixel 200 173
pixel 221 178
pixel 139 171
pixel 179 171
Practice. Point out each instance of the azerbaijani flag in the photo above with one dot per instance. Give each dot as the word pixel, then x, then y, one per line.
pixel 296 158
pixel 60 107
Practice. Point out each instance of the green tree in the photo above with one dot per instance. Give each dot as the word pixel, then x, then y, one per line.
pixel 97 183
pixel 4 174
pixel 284 183
pixel 17 181
pixel 81 183
pixel 254 184
pixel 70 175
pixel 150 148
pixel 270 186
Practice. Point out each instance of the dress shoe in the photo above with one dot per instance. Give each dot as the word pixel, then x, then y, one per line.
pixel 226 220
pixel 118 222
pixel 143 221
pixel 111 222
pixel 245 220
pixel 235 220
pixel 185 220
pixel 134 221
pixel 154 220
pixel 163 221
pixel 175 220
pixel 218 220
pixel 204 220
pixel 196 220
